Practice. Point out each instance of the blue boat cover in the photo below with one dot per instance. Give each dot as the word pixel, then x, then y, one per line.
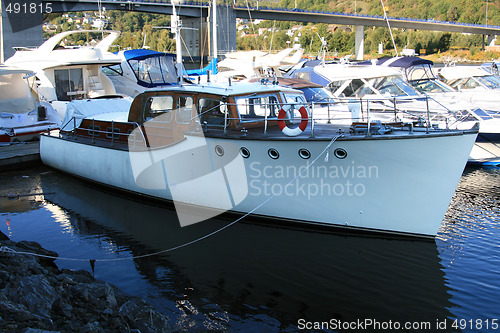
pixel 212 67
pixel 404 62
pixel 139 54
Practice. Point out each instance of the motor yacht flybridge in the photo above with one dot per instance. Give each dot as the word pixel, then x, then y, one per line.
pixel 235 148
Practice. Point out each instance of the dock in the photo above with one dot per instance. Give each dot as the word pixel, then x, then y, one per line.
pixel 19 155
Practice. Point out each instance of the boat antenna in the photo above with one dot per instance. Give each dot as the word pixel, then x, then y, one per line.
pixel 389 25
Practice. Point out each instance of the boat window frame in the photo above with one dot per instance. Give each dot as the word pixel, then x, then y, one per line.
pixel 72 92
pixel 179 115
pixel 159 113
pixel 273 112
pixel 201 115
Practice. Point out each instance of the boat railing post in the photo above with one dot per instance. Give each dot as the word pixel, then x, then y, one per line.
pixel 428 114
pixel 265 124
pixel 225 121
pixel 328 110
pixel 367 117
pixel 93 130
pixel 112 133
pixel 395 111
pixel 312 120
pixel 74 128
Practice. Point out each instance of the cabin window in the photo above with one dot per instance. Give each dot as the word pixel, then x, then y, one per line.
pixel 113 133
pixel 113 70
pixel 94 131
pixel 69 83
pixel 293 105
pixel 257 107
pixel 211 111
pixel 159 109
pixel 184 112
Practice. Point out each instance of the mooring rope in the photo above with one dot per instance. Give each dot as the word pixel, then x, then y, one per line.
pixel 92 261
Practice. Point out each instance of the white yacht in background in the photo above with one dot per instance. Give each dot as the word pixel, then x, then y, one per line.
pixel 63 74
pixel 386 93
pixel 478 86
pixel 22 116
pixel 465 104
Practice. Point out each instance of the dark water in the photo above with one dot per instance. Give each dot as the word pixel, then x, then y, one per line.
pixel 255 278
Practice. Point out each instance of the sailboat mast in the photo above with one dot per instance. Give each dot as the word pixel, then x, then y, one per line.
pixel 178 46
pixel 389 25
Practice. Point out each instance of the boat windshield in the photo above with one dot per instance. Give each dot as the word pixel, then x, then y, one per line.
pixel 420 72
pixel 490 81
pixel 431 86
pixel 316 95
pixel 154 71
pixel 392 85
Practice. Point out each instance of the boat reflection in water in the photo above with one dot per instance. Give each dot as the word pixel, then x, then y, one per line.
pixel 286 273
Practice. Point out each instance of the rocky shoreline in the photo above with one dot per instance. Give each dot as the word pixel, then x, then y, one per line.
pixel 36 296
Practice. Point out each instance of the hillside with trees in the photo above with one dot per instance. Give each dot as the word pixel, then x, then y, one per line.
pixel 140 29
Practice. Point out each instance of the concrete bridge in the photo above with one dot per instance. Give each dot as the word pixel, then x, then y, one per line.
pixel 191 11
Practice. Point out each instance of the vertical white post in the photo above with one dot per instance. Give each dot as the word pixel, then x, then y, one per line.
pixel 359 42
pixel 214 28
pixel 178 46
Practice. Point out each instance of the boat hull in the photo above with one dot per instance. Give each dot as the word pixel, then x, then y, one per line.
pixel 398 185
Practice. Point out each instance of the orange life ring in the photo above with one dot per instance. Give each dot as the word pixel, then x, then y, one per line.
pixel 293 131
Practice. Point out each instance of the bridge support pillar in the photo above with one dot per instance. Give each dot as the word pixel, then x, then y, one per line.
pixel 28 37
pixel 359 44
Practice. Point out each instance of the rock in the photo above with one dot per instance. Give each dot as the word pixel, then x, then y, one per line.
pixel 34 292
pixel 94 327
pixel 108 312
pixel 59 306
pixel 36 297
pixel 34 247
pixel 3 236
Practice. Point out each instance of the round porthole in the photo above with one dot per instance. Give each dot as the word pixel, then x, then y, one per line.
pixel 304 153
pixel 340 153
pixel 245 152
pixel 219 150
pixel 273 153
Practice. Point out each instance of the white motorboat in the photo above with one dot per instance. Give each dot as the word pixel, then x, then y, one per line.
pixel 63 74
pixel 466 105
pixel 22 116
pixel 391 97
pixel 479 86
pixel 211 149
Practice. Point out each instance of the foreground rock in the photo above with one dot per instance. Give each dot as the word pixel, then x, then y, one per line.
pixel 38 297
pixel 35 296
